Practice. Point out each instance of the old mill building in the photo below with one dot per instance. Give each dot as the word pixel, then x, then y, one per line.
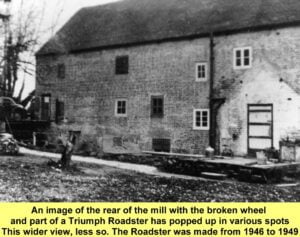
pixel 175 75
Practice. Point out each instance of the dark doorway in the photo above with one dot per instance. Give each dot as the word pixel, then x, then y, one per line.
pixel 46 107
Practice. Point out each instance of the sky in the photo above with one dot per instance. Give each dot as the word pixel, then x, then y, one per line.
pixel 54 13
pixel 59 12
pixel 50 16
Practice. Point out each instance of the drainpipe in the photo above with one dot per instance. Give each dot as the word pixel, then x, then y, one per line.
pixel 212 122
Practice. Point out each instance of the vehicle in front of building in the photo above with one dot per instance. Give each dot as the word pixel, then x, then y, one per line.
pixel 8 144
pixel 11 110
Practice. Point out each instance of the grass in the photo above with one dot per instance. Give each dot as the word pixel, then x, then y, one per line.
pixel 30 178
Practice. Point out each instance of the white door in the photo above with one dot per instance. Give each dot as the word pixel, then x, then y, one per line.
pixel 260 127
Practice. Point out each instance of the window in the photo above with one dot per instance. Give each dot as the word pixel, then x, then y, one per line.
pixel 157 106
pixel 46 106
pixel 60 111
pixel 201 119
pixel 122 65
pixel 161 145
pixel 61 71
pixel 201 71
pixel 36 108
pixel 242 58
pixel 121 108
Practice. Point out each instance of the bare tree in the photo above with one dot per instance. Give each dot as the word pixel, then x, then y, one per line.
pixel 23 34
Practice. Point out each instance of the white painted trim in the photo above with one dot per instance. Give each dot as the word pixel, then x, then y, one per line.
pixel 46 99
pixel 242 49
pixel 194 119
pixel 116 108
pixel 196 71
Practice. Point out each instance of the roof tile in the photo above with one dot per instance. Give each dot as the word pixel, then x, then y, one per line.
pixel 137 21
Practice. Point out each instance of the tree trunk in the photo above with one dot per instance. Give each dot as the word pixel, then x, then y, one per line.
pixel 66 155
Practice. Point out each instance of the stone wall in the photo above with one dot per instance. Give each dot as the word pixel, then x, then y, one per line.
pixel 274 78
pixel 91 87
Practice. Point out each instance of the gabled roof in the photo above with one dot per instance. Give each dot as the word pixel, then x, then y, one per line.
pixel 139 21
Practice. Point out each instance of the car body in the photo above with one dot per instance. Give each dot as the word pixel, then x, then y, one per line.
pixel 11 110
pixel 8 144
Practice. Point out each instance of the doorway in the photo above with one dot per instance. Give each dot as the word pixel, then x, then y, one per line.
pixel 260 127
pixel 46 107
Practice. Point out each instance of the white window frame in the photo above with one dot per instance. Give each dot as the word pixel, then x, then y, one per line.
pixel 46 99
pixel 242 50
pixel 116 108
pixel 197 71
pixel 201 127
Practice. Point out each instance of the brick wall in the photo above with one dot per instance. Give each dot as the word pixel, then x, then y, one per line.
pixel 91 87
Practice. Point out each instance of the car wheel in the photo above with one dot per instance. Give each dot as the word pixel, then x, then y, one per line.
pixel 11 149
pixel 17 116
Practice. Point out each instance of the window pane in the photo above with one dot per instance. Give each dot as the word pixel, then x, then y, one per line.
pixel 259 130
pixel 121 107
pixel 46 99
pixel 159 102
pixel 246 53
pixel 261 117
pixel 246 62
pixel 242 57
pixel 256 143
pixel 201 71
pixel 157 107
pixel 122 65
pixel 198 119
pixel 61 71
pixel 201 119
pixel 153 102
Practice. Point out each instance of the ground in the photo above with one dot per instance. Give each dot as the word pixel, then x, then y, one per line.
pixel 30 178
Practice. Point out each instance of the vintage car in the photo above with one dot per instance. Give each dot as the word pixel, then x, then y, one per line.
pixel 10 110
pixel 8 144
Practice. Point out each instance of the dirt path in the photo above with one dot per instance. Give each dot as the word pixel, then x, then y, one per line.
pixel 30 178
pixel 145 169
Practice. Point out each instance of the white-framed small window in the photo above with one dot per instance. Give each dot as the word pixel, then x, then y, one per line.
pixel 46 99
pixel 201 71
pixel 201 119
pixel 121 108
pixel 242 58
